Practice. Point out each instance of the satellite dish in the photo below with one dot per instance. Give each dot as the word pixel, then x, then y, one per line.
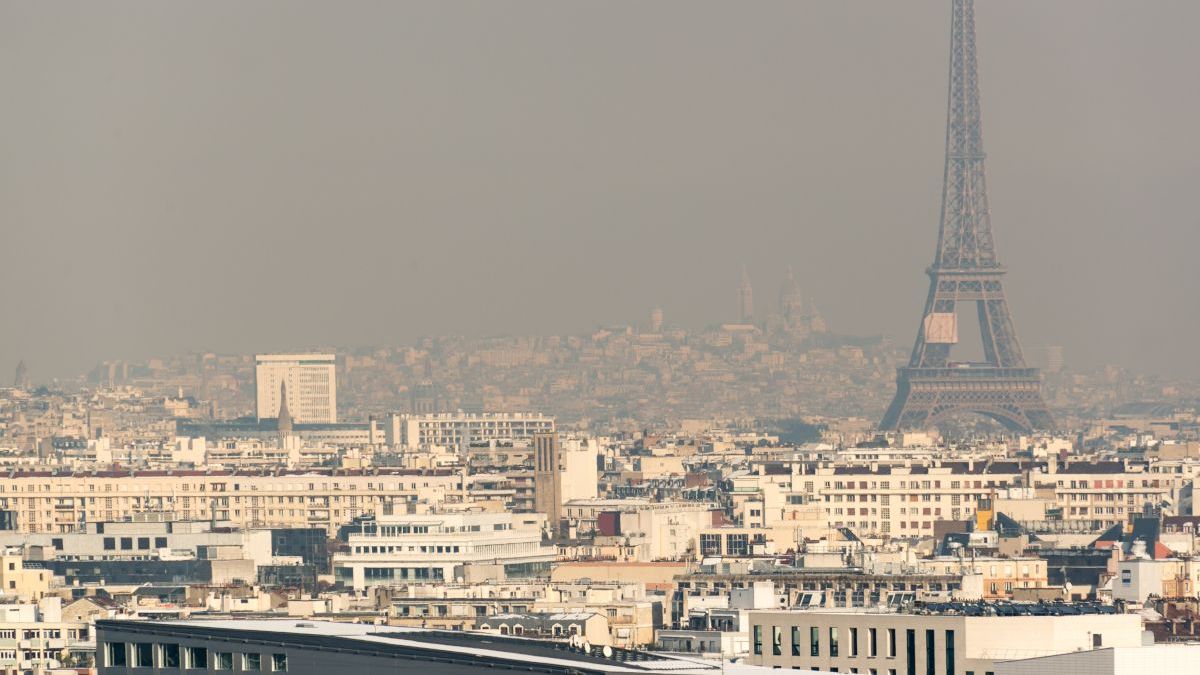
pixel 607 651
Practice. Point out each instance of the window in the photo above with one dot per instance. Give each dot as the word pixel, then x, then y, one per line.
pixel 796 641
pixel 223 661
pixel 252 661
pixel 891 643
pixel 776 641
pixel 1097 640
pixel 168 656
pixel 110 544
pixel 872 642
pixel 910 641
pixel 143 543
pixel 930 660
pixel 758 640
pixel 126 543
pixel 143 655
pixel 853 641
pixel 160 542
pixel 949 652
pixel 197 658
pixel 833 641
pixel 814 641
pixel 279 663
pixel 115 655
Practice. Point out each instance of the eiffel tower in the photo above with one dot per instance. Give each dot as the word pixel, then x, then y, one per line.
pixel 932 387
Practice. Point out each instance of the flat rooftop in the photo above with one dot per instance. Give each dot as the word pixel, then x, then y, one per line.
pixel 419 643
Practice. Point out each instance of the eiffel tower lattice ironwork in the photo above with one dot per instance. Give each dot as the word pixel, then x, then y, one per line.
pixel 932 387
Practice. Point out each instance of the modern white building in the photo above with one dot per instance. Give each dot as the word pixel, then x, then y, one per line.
pixel 394 549
pixel 460 429
pixel 927 643
pixel 311 386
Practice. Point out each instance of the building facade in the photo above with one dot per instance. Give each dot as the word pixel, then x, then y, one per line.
pixel 310 381
pixel 49 501
pixel 927 643
pixel 460 429
pixel 436 546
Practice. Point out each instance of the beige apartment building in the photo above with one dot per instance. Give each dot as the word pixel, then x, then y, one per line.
pixel 18 582
pixel 43 501
pixel 925 644
pixel 906 501
pixel 1000 575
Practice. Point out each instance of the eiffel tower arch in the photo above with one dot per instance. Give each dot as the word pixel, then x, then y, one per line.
pixel 932 387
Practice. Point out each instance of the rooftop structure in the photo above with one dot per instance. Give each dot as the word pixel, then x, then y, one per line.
pixel 317 648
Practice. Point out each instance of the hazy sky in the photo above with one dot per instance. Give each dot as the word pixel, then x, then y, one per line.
pixel 252 176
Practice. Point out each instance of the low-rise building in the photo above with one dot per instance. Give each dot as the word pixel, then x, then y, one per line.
pixel 438 546
pixel 943 641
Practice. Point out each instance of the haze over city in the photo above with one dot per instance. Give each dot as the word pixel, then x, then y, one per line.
pixel 271 176
pixel 599 338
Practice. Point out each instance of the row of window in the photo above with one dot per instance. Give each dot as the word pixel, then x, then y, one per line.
pixel 833 646
pixel 214 487
pixel 143 543
pixel 171 655
pixel 43 634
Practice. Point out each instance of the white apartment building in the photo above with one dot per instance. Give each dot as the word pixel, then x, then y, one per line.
pixel 435 546
pixel 35 638
pixel 311 386
pixel 459 428
pixel 141 540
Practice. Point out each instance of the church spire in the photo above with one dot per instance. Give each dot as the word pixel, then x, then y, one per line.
pixel 285 417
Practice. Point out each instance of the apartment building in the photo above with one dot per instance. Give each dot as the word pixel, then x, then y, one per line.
pixel 906 500
pixel 310 383
pixel 632 615
pixel 1138 578
pixel 141 539
pixel 1000 576
pixel 460 429
pixel 437 546
pixel 35 637
pixel 655 530
pixel 718 626
pixel 937 642
pixel 17 581
pixel 46 501
pixel 822 588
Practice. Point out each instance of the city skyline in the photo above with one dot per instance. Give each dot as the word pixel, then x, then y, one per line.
pixel 588 337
